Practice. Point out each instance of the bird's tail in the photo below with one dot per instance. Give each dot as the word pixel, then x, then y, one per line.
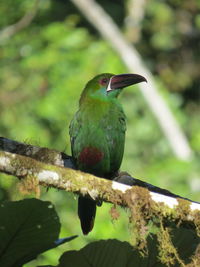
pixel 86 213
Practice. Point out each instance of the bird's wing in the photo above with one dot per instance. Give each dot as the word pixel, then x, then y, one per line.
pixel 122 121
pixel 115 131
pixel 74 129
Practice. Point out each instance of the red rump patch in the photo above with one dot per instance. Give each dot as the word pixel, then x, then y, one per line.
pixel 90 156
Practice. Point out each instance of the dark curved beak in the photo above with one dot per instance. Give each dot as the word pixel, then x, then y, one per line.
pixel 123 80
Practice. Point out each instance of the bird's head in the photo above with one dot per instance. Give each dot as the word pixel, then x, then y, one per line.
pixel 108 85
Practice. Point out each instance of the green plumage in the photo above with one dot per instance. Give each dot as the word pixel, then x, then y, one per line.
pixel 99 123
pixel 97 134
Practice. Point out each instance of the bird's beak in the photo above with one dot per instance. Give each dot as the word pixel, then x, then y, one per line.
pixel 123 80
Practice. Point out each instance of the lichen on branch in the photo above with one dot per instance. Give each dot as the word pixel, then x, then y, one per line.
pixel 147 208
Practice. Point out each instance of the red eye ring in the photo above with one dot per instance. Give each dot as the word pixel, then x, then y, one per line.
pixel 103 81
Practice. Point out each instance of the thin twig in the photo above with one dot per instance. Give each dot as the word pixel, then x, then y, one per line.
pixel 11 30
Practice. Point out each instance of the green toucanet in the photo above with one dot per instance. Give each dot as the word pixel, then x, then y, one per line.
pixel 97 134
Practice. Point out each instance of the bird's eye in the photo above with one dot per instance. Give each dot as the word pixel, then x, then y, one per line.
pixel 104 81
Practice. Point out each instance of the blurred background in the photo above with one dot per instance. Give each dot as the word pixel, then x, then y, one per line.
pixel 47 59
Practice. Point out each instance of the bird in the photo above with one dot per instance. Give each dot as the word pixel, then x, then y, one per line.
pixel 97 134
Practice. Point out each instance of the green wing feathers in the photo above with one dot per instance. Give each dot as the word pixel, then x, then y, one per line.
pixel 99 135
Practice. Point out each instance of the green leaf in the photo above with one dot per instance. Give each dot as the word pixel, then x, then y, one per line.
pixel 186 242
pixel 106 253
pixel 27 228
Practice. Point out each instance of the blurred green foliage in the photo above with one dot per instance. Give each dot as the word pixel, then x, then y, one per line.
pixel 45 66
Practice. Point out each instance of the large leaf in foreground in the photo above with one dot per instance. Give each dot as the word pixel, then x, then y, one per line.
pixel 106 253
pixel 27 228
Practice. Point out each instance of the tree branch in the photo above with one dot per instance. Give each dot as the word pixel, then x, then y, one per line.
pixel 150 204
pixel 134 62
pixel 135 13
pixel 147 208
pixel 10 30
pixel 42 154
pixel 51 156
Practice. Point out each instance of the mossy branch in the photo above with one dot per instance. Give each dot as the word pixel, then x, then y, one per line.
pixel 148 205
pixel 52 168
